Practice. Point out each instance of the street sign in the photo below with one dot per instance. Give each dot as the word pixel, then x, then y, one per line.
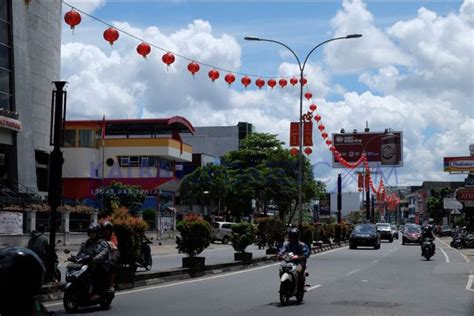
pixel 459 164
pixel 451 204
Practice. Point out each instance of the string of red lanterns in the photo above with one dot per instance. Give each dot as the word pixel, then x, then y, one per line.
pixel 112 34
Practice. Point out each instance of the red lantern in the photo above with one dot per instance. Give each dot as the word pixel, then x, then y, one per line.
pixel 317 118
pixel 321 127
pixel 143 49
pixel 328 142
pixel 308 151
pixel 294 151
pixel 168 59
pixel 72 18
pixel 337 153
pixel 229 78
pixel 313 107
pixel 332 148
pixel 303 81
pixel 111 35
pixel 213 74
pixel 293 81
pixel 282 82
pixel 246 81
pixel 193 67
pixel 308 95
pixel 271 83
pixel 324 135
pixel 260 83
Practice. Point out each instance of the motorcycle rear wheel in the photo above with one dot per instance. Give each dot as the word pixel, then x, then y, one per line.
pixel 284 294
pixel 70 302
pixel 300 296
pixel 105 304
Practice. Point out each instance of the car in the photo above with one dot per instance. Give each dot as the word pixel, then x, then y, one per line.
pixel 385 231
pixel 395 231
pixel 364 235
pixel 221 231
pixel 445 230
pixel 411 234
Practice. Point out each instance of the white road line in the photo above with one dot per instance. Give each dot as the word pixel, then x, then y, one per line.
pixel 460 252
pixel 202 279
pixel 314 287
pixel 445 254
pixel 353 271
pixel 469 283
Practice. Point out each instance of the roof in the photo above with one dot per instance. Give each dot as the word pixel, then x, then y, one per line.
pixel 138 126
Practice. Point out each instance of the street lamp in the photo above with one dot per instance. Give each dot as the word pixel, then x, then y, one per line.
pixel 301 67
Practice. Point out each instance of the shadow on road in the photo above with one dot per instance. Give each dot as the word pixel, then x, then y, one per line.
pixel 291 303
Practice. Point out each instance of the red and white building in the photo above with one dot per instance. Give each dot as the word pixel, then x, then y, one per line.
pixel 143 152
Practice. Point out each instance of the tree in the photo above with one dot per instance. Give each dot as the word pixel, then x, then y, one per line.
pixel 435 204
pixel 117 195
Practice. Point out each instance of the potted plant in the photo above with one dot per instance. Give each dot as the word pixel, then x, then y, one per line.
pixel 307 234
pixel 242 236
pixel 195 237
pixel 276 235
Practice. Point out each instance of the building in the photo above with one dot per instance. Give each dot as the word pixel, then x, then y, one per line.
pixel 143 152
pixel 218 140
pixel 30 44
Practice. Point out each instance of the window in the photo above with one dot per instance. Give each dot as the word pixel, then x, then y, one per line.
pixel 134 161
pixel 70 138
pixel 124 161
pixel 144 161
pixel 85 138
pixel 6 83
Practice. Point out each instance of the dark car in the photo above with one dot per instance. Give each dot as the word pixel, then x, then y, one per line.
pixel 385 231
pixel 364 235
pixel 411 234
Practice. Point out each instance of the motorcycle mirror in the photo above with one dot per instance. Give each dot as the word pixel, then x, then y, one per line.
pixel 66 251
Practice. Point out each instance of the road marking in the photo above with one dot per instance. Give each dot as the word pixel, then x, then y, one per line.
pixel 365 281
pixel 460 252
pixel 469 283
pixel 314 287
pixel 375 261
pixel 445 254
pixel 329 251
pixel 353 271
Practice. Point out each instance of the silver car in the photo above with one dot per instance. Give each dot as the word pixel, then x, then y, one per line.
pixel 221 231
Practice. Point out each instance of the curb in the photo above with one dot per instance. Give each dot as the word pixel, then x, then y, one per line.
pixel 54 292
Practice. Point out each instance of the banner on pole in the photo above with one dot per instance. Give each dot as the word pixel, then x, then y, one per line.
pixel 294 134
pixel 308 134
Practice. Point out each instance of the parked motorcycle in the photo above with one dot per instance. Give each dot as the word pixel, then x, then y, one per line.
pixel 427 248
pixel 457 240
pixel 145 261
pixel 289 274
pixel 78 290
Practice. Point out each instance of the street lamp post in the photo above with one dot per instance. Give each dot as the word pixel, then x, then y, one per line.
pixel 301 68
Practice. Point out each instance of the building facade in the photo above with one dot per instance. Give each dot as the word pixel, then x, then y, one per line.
pixel 30 44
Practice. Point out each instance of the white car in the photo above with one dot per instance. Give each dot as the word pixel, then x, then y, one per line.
pixel 385 231
pixel 221 231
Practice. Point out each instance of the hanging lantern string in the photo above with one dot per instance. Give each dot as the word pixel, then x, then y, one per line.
pixel 166 50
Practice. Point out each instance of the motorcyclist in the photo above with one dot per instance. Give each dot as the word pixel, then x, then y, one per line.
pixel 109 236
pixel 21 278
pixel 96 251
pixel 300 249
pixel 427 233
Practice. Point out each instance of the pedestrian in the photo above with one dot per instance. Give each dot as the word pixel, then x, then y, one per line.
pixel 39 243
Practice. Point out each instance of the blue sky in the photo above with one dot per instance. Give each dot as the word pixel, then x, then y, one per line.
pixel 412 70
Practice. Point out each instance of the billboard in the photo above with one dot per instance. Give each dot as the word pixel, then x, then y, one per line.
pixel 459 164
pixel 382 149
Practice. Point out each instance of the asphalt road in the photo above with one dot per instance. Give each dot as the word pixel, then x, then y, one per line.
pixel 394 280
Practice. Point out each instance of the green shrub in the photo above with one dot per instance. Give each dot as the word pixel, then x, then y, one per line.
pixel 262 230
pixel 307 234
pixel 460 221
pixel 195 235
pixel 149 214
pixel 276 233
pixel 242 236
pixel 319 232
pixel 338 233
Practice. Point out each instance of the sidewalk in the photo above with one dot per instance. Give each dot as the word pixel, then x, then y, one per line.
pixel 468 252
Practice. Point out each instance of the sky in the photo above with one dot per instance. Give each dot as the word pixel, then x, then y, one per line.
pixel 412 71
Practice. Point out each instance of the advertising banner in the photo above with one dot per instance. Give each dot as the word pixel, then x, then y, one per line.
pixel 452 204
pixel 466 196
pixel 459 164
pixel 294 134
pixel 382 149
pixel 11 223
pixel 308 134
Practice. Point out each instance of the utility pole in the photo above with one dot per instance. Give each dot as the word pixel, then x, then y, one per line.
pixel 56 139
pixel 339 198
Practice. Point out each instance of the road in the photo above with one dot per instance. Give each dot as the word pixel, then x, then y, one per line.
pixel 394 280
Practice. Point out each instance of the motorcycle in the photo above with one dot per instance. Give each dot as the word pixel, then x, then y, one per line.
pixel 145 261
pixel 78 289
pixel 290 271
pixel 427 248
pixel 457 241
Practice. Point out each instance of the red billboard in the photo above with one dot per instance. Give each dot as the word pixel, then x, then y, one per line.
pixel 382 149
pixel 459 164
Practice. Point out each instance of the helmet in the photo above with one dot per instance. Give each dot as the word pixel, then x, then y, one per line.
pixel 22 273
pixel 94 228
pixel 107 225
pixel 293 234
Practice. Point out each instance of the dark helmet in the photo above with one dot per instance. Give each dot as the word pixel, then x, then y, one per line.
pixel 94 228
pixel 22 273
pixel 293 234
pixel 107 226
